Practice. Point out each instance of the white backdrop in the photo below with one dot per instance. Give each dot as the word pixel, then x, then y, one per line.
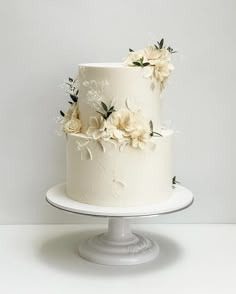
pixel 41 44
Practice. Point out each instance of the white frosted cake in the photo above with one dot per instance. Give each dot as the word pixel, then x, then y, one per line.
pixel 117 152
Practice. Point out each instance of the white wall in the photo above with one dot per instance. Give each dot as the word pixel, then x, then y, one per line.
pixel 43 41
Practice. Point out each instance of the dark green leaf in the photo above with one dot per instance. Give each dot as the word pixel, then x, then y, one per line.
pixel 156 46
pixel 70 80
pixel 102 114
pixel 174 181
pixel 161 43
pixel 71 103
pixel 74 98
pixel 151 125
pixel 137 63
pixel 104 106
pixel 146 63
pixel 158 134
pixel 111 108
pixel 131 50
pixel 77 92
pixel 62 113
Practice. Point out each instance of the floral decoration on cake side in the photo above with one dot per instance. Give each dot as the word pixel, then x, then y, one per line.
pixel 155 61
pixel 70 120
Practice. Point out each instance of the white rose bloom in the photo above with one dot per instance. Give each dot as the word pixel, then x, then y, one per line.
pixel 97 128
pixel 72 126
pixel 139 138
pixel 71 122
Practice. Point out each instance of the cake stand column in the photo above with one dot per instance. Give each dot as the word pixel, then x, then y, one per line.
pixel 119 246
pixel 119 230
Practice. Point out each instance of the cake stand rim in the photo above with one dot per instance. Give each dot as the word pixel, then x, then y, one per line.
pixel 114 213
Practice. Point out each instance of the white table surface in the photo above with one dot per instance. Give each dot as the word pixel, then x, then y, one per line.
pixel 43 259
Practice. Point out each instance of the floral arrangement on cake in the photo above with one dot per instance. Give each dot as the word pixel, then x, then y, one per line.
pixel 155 61
pixel 125 126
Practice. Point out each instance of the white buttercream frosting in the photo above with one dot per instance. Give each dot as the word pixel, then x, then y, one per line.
pixel 114 161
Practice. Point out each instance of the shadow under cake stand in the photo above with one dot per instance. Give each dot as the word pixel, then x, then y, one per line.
pixel 119 246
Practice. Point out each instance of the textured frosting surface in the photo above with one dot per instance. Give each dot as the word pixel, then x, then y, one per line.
pixel 101 174
pixel 114 178
pixel 123 83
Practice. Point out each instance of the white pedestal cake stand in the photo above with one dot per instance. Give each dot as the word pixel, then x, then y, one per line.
pixel 119 246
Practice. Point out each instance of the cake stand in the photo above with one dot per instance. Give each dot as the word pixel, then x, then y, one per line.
pixel 119 245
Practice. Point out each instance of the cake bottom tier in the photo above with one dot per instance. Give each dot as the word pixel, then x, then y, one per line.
pixel 101 174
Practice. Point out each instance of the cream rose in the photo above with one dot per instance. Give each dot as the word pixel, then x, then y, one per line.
pixel 71 122
pixel 72 126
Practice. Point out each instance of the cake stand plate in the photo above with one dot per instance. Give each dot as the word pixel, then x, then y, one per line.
pixel 119 246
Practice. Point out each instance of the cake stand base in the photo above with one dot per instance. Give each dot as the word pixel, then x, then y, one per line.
pixel 119 246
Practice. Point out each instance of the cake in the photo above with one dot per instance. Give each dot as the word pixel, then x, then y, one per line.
pixel 118 154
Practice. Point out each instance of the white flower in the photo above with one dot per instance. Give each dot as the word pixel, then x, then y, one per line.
pixel 133 56
pixel 97 128
pixel 120 123
pixel 152 54
pixel 71 122
pixel 139 138
pixel 162 70
pixel 72 126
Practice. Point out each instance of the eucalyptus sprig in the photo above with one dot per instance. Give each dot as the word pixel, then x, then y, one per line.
pixel 140 62
pixel 73 93
pixel 108 110
pixel 152 133
pixel 160 45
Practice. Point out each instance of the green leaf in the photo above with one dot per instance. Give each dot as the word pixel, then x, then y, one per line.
pixel 161 43
pixel 77 92
pixel 158 134
pixel 111 108
pixel 131 50
pixel 136 63
pixel 74 98
pixel 62 113
pixel 104 106
pixel 171 50
pixel 71 103
pixel 102 114
pixel 156 46
pixel 151 125
pixel 146 63
pixel 70 79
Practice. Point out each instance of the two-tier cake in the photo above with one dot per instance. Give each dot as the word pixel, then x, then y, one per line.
pixel 117 152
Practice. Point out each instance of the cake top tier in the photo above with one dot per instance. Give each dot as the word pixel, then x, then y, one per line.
pixel 119 102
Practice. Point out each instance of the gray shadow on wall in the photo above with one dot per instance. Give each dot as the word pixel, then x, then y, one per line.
pixel 61 253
